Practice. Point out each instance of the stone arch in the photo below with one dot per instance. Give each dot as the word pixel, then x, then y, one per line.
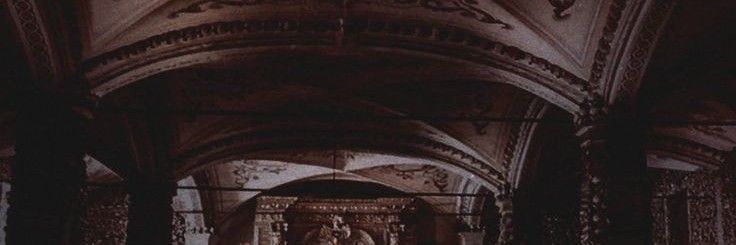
pixel 222 42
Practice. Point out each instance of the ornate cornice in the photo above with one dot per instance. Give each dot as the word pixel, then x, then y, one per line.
pixel 134 62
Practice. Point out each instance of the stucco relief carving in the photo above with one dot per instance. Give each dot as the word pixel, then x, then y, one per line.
pixel 482 108
pixel 246 171
pixel 337 233
pixel 560 7
pixel 464 8
pixel 431 175
pixel 333 221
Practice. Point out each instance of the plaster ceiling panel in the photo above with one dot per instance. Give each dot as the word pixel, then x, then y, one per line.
pixel 106 19
pixel 418 178
pixel 572 35
pixel 447 99
pixel 344 160
pixel 290 99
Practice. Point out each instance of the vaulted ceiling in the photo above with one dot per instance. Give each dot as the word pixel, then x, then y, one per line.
pixel 370 90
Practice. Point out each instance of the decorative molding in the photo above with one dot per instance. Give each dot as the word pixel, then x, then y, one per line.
pixel 431 174
pixel 130 63
pixel 600 60
pixel 464 8
pixel 511 146
pixel 594 211
pixel 504 202
pixel 560 7
pixel 520 139
pixel 625 87
pixel 35 39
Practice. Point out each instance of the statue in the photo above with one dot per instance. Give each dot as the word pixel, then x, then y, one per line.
pixel 338 233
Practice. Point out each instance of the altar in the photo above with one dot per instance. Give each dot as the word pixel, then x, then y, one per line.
pixel 311 221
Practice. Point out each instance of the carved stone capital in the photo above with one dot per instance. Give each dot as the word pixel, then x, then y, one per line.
pixel 592 111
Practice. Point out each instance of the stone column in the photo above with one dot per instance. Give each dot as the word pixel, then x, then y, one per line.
pixel 614 195
pixel 504 202
pixel 48 171
pixel 150 214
